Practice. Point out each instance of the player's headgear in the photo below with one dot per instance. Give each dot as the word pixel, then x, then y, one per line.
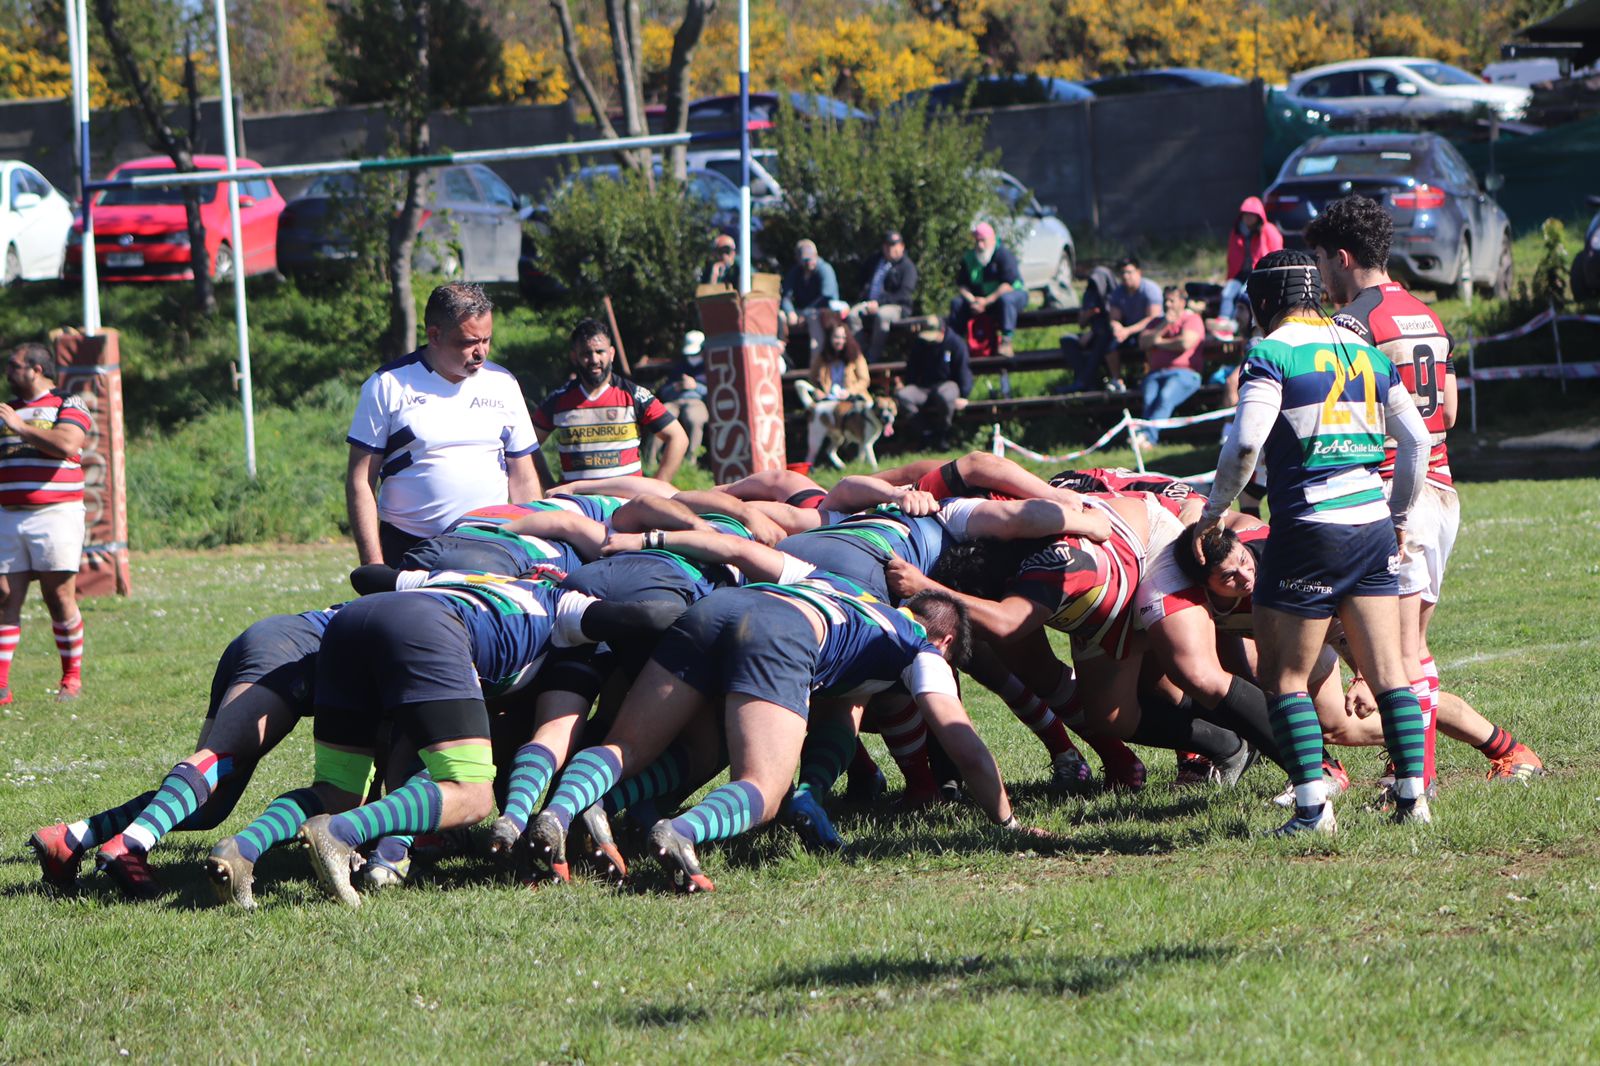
pixel 1283 281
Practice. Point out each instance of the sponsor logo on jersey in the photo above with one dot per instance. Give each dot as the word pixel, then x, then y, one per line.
pixel 1295 584
pixel 1342 446
pixel 1423 324
pixel 485 401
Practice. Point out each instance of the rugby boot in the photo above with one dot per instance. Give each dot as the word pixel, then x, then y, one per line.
pixel 1070 773
pixel 1128 774
pixel 1334 781
pixel 1226 772
pixel 503 837
pixel 232 876
pixel 1192 770
pixel 802 813
pixel 676 853
pixel 379 873
pixel 70 689
pixel 603 849
pixel 128 868
pixel 330 858
pixel 1520 764
pixel 1323 823
pixel 1415 812
pixel 58 860
pixel 548 842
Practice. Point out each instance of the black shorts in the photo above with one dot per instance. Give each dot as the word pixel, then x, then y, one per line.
pixel 1309 568
pixel 280 653
pixel 387 655
pixel 456 551
pixel 744 641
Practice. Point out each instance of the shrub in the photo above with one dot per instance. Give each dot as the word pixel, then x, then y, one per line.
pixel 1548 286
pixel 847 183
pixel 642 243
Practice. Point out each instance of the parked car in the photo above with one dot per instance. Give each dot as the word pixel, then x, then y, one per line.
pixel 1160 80
pixel 720 194
pixel 1041 242
pixel 1407 86
pixel 764 109
pixel 1586 265
pixel 999 90
pixel 764 187
pixel 1449 234
pixel 141 233
pixel 471 230
pixel 34 222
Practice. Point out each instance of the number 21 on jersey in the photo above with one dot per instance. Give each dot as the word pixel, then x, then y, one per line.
pixel 1333 411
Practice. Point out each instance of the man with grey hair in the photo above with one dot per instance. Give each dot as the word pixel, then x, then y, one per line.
pixel 443 429
pixel 809 289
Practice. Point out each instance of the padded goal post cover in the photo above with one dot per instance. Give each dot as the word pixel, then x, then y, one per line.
pixel 744 376
pixel 90 370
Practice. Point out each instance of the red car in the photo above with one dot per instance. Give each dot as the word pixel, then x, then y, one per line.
pixel 141 234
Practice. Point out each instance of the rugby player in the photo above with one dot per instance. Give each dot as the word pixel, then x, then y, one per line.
pixel 1320 402
pixel 1351 240
pixel 260 690
pixel 767 650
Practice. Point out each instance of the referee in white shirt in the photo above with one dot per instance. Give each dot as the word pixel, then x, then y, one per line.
pixel 437 433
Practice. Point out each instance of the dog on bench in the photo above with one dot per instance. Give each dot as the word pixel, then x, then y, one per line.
pixel 831 422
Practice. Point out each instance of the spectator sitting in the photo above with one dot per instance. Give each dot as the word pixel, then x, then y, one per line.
pixel 938 382
pixel 1251 238
pixel 684 394
pixel 988 275
pixel 888 290
pixel 1082 351
pixel 1130 307
pixel 809 289
pixel 839 369
pixel 1173 349
pixel 723 268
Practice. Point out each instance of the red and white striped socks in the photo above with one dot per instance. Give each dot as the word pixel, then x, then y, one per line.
pixel 69 642
pixel 9 635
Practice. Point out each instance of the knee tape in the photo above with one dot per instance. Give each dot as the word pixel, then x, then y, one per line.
pixel 344 770
pixel 472 763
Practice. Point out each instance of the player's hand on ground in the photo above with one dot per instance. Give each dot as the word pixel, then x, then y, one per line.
pixel 905 580
pixel 622 542
pixel 1358 699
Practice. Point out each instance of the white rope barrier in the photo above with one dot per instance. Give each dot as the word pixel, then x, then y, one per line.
pixel 1127 424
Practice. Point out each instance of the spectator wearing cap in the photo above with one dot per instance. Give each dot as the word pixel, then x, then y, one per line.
pixel 723 267
pixel 684 394
pixel 888 293
pixel 938 380
pixel 987 278
pixel 809 289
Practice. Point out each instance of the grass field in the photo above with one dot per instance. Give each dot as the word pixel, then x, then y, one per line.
pixel 1160 927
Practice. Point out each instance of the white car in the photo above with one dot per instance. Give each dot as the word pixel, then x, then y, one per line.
pixel 764 188
pixel 1040 241
pixel 1406 85
pixel 34 222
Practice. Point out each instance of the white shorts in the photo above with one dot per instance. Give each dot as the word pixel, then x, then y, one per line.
pixel 1431 529
pixel 41 539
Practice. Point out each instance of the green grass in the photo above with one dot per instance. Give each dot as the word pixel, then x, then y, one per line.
pixel 1161 928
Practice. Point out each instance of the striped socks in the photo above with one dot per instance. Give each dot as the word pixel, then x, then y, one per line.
pixel 1034 713
pixel 591 774
pixel 726 812
pixel 1403 735
pixel 69 642
pixel 828 749
pixel 9 636
pixel 1498 745
pixel 414 807
pixel 107 824
pixel 531 770
pixel 184 791
pixel 279 822
pixel 1298 734
pixel 661 778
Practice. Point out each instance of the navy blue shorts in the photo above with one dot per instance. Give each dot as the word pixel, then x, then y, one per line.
pixel 280 653
pixel 456 551
pixel 1309 568
pixel 744 641
pixel 390 651
pixel 847 556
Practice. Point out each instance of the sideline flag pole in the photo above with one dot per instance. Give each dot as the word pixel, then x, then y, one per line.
pixel 241 323
pixel 78 52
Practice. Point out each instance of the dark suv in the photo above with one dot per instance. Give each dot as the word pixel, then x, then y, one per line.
pixel 1449 234
pixel 1586 267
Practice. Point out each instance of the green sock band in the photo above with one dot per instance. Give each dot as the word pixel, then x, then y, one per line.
pixel 468 763
pixel 347 771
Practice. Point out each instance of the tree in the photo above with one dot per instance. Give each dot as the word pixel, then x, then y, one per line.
pixel 139 48
pixel 280 53
pixel 414 56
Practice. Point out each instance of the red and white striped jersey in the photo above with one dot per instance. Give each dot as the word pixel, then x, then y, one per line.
pixel 29 477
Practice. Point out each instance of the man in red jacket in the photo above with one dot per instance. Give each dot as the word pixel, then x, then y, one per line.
pixel 1251 238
